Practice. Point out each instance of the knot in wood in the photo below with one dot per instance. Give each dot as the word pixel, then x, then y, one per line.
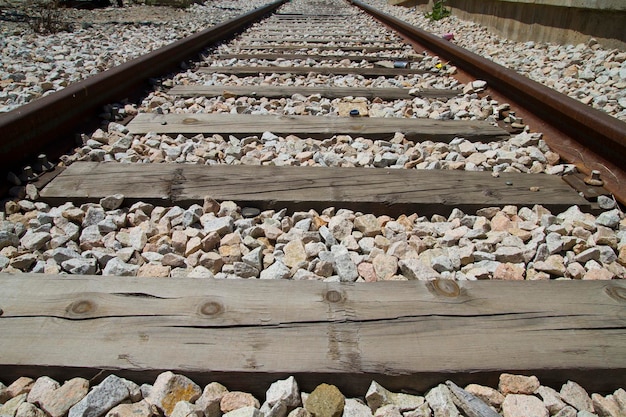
pixel 445 287
pixel 616 292
pixel 190 121
pixel 81 307
pixel 333 296
pixel 211 308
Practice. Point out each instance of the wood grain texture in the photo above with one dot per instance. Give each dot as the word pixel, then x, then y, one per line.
pixel 358 58
pixel 316 127
pixel 357 41
pixel 380 191
pixel 330 92
pixel 393 332
pixel 366 72
pixel 322 48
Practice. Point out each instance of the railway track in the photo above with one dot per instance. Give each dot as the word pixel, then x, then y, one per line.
pixel 311 156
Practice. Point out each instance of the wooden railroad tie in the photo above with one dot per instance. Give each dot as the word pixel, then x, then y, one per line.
pixel 316 126
pixel 271 91
pixel 366 72
pixel 374 190
pixel 247 333
pixel 303 57
pixel 323 48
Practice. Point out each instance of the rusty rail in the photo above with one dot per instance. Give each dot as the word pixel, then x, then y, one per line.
pixel 584 128
pixel 28 129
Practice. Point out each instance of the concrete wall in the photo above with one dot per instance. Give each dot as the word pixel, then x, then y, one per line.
pixel 560 21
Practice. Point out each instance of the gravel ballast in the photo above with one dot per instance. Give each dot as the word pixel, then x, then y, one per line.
pixel 174 395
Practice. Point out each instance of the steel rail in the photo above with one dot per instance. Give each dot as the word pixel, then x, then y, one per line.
pixel 25 131
pixel 590 130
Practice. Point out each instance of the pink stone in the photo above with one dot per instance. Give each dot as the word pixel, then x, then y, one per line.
pixel 518 384
pixel 21 385
pixel 598 274
pixel 385 266
pixel 500 222
pixel 235 399
pixel 489 395
pixel 154 270
pixel 42 387
pixel 366 271
pixel 509 271
pixel 518 405
pixel 58 402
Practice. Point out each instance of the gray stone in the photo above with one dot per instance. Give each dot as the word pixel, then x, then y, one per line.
pixel 220 225
pixel 441 402
pixel 277 270
pixel 4 261
pixel 24 262
pixel 174 260
pixel 112 202
pixel 244 270
pixel 554 243
pixel 344 266
pixel 609 218
pixel 285 391
pixel 80 266
pixel 102 398
pixel 588 254
pixel 93 216
pixel 576 396
pixel 244 412
pixel 510 254
pixel 254 258
pixel 192 215
pixel 210 399
pixel 355 408
pixel 62 254
pixel 8 239
pixel 417 269
pixel 90 237
pixel 340 227
pixel 134 390
pixel 327 236
pixel 120 268
pixel 35 241
pixel 277 410
pixel 137 238
pixel 442 263
pixel 607 255
pixel 605 202
pixel 377 396
pixel 551 399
